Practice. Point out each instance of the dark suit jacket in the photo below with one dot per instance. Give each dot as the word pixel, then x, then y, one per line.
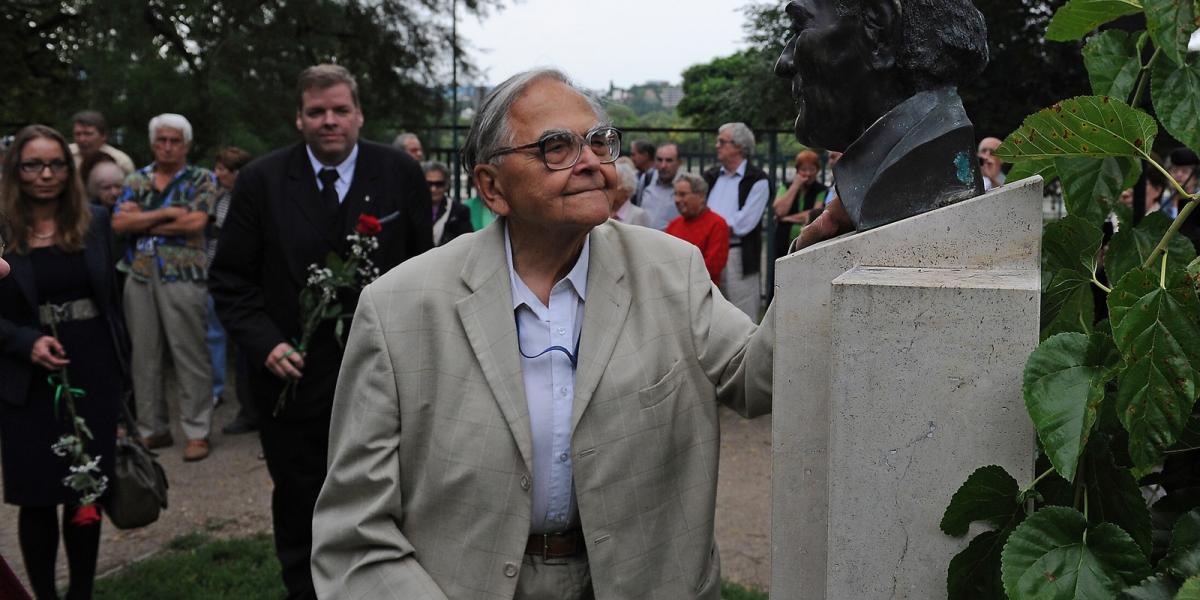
pixel 19 324
pixel 276 227
pixel 458 223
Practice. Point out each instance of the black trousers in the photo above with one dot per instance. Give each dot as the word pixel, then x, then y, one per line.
pixel 295 453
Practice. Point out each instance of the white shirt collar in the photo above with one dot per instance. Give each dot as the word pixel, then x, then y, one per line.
pixel 577 277
pixel 740 171
pixel 345 169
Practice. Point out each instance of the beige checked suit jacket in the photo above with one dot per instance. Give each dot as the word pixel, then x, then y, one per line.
pixel 429 494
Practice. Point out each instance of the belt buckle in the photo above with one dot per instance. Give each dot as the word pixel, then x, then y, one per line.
pixel 549 558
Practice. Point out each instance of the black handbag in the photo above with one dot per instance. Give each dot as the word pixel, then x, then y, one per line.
pixel 138 491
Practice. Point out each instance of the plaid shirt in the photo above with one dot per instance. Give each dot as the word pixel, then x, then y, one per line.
pixel 178 258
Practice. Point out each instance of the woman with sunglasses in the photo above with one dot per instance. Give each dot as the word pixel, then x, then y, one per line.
pixel 62 275
pixel 450 218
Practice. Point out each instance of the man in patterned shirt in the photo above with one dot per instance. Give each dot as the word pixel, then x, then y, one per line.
pixel 166 206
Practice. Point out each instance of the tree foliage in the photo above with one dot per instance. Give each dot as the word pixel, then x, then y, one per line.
pixel 228 65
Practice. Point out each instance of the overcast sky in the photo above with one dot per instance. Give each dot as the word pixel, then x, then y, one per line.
pixel 622 41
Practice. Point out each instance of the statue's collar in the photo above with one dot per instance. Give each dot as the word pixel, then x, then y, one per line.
pixel 919 119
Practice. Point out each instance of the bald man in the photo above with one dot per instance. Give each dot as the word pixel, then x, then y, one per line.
pixel 989 163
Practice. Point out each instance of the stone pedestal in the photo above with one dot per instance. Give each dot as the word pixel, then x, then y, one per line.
pixel 898 363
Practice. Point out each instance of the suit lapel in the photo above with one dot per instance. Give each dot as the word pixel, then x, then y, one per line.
pixel 604 312
pixel 487 318
pixel 302 183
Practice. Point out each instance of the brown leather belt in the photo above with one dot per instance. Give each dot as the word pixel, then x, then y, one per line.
pixel 556 545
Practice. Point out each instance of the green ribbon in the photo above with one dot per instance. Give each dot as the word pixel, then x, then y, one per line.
pixel 59 388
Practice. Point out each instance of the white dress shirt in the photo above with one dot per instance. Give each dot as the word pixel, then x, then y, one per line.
pixel 550 386
pixel 723 199
pixel 345 171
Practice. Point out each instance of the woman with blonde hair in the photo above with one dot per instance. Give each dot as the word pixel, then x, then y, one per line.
pixel 59 310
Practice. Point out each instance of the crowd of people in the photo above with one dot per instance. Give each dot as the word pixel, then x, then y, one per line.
pixel 118 272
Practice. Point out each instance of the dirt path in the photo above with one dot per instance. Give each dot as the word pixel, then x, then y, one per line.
pixel 229 495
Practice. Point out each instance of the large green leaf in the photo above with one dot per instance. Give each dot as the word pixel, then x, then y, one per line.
pixel 1024 169
pixel 989 495
pixel 1193 271
pixel 1158 587
pixel 1190 590
pixel 1067 305
pixel 1170 23
pixel 1129 248
pixel 1071 243
pixel 1054 556
pixel 1087 126
pixel 1112 63
pixel 1091 186
pixel 1063 388
pixel 1116 498
pixel 1070 249
pixel 1156 331
pixel 1183 557
pixel 1077 18
pixel 974 573
pixel 1175 89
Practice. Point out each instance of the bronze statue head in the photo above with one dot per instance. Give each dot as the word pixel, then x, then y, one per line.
pixel 851 61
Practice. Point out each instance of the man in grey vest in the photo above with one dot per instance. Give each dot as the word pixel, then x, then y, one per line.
pixel 738 192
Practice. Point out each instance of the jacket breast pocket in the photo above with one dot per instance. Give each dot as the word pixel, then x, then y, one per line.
pixel 664 388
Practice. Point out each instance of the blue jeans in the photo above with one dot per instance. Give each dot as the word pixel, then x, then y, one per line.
pixel 215 338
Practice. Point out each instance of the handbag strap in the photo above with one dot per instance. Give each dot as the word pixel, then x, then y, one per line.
pixel 131 429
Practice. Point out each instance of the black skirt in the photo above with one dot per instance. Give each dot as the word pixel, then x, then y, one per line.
pixel 33 474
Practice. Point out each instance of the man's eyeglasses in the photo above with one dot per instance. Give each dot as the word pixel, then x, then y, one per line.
pixel 35 167
pixel 562 149
pixel 436 184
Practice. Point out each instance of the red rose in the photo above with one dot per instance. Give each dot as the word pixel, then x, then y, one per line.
pixel 368 226
pixel 86 515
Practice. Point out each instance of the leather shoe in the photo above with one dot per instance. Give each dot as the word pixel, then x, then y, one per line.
pixel 237 426
pixel 195 450
pixel 158 440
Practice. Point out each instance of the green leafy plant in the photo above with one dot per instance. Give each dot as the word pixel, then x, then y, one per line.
pixel 1111 514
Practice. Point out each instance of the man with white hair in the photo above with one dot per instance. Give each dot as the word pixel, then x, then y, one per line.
pixel 990 165
pixel 738 192
pixel 410 144
pixel 165 206
pixel 531 411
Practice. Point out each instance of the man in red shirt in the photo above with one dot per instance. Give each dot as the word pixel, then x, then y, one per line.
pixel 697 224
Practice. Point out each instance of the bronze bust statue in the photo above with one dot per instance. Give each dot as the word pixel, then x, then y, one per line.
pixel 877 80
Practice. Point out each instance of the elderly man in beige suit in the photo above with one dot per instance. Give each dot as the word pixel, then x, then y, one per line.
pixel 530 411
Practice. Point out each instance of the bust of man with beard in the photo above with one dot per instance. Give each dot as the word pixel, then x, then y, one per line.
pixel 877 80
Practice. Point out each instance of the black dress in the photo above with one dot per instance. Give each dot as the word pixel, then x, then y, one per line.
pixel 32 473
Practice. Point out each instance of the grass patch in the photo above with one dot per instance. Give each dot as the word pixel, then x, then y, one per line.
pixel 733 591
pixel 196 567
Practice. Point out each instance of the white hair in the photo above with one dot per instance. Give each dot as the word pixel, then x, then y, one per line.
pixel 99 171
pixel 490 129
pixel 741 136
pixel 172 121
pixel 629 177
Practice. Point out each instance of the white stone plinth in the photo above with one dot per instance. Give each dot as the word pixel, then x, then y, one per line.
pixel 892 385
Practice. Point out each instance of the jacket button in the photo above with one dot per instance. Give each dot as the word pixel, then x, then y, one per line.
pixel 510 569
pixel 524 482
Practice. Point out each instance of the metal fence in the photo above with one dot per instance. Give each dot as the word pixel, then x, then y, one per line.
pixel 775 151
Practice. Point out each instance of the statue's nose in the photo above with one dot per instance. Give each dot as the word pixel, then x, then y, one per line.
pixel 785 66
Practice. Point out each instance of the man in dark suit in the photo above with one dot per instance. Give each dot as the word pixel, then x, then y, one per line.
pixel 289 210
